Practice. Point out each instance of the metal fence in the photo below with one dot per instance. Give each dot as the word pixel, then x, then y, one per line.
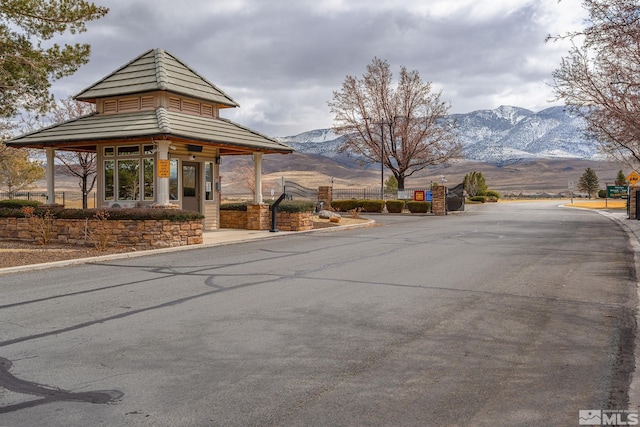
pixel 374 193
pixel 296 191
pixel 66 198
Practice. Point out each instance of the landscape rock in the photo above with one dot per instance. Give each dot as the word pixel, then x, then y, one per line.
pixel 325 214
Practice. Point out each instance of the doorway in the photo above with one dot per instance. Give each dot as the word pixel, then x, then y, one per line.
pixel 191 186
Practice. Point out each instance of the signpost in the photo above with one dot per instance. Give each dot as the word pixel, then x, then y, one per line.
pixel 617 191
pixel 571 190
pixel 633 178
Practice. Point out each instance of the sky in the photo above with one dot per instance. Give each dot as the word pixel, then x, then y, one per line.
pixel 281 60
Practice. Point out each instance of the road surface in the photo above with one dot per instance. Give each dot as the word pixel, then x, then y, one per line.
pixel 510 314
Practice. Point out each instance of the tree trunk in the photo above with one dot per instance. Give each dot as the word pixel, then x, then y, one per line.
pixel 84 193
pixel 400 179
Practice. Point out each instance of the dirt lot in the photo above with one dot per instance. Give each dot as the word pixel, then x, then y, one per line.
pixel 16 253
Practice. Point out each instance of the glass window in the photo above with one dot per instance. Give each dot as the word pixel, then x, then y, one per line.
pixel 148 178
pixel 129 179
pixel 129 150
pixel 109 183
pixel 173 180
pixel 188 180
pixel 148 149
pixel 109 151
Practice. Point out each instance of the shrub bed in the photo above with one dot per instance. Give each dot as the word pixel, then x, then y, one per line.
pixel 242 207
pixel 139 214
pixel 345 205
pixel 375 206
pixel 367 205
pixel 480 199
pixel 419 207
pixel 492 193
pixel 295 206
pixel 18 203
pixel 395 206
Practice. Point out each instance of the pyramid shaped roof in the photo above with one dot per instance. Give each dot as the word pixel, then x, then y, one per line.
pixel 156 70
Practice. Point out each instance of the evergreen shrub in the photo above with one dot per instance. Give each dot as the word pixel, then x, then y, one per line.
pixel 234 207
pixel 493 194
pixel 375 206
pixel 138 214
pixel 395 206
pixel 345 205
pixel 18 203
pixel 296 206
pixel 481 199
pixel 418 207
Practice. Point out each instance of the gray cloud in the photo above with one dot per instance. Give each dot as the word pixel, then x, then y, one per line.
pixel 281 60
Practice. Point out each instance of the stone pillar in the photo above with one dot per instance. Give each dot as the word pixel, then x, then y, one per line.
pixel 258 217
pixel 439 200
pixel 163 182
pixel 50 173
pixel 325 196
pixel 633 201
pixel 257 161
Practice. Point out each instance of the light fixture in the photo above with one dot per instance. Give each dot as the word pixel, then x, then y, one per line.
pixel 192 157
pixel 218 160
pixel 172 147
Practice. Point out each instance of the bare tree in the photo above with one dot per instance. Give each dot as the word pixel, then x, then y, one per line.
pixel 409 118
pixel 80 164
pixel 600 78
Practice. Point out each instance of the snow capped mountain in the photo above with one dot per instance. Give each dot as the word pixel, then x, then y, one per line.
pixel 498 136
pixel 319 141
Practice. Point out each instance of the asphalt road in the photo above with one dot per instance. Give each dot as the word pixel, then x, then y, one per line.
pixel 511 314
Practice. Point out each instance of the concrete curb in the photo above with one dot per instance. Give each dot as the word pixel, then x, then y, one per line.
pixel 255 237
pixel 634 241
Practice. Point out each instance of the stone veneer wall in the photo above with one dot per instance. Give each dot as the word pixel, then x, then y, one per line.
pixel 439 201
pixel 286 221
pixel 632 201
pixel 294 221
pixel 258 217
pixel 325 195
pixel 233 219
pixel 135 233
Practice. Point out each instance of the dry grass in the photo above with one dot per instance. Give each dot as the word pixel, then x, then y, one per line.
pixel 598 204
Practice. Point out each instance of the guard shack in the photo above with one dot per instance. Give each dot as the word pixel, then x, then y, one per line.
pixel 158 138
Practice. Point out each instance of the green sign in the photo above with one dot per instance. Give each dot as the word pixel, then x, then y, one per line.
pixel 616 191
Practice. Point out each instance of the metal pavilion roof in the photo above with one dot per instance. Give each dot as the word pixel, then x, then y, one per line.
pixel 158 124
pixel 154 70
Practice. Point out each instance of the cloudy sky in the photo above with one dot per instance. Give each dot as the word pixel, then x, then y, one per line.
pixel 281 60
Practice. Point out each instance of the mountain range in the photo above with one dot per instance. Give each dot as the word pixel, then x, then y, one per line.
pixel 500 136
